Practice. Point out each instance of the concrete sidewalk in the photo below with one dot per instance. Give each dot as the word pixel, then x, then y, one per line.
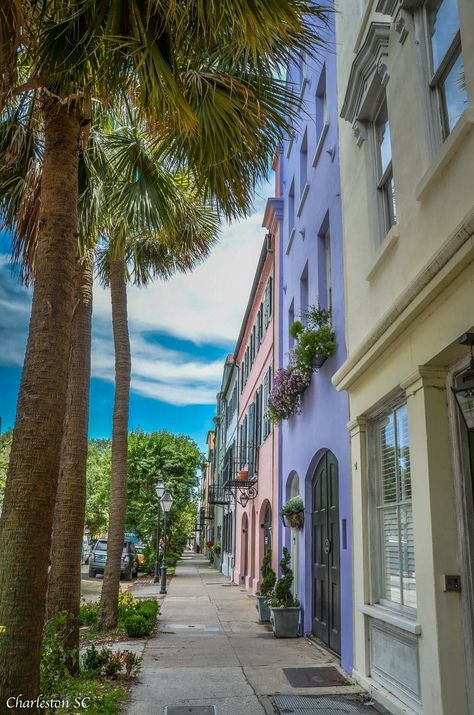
pixel 211 650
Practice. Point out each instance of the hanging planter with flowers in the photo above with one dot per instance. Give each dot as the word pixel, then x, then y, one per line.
pixel 293 513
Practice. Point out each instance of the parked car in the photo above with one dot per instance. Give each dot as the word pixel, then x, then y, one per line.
pixel 140 549
pixel 128 562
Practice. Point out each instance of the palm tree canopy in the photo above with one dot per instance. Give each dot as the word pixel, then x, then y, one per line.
pixel 204 74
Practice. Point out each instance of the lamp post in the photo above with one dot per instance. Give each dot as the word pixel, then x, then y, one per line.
pixel 166 504
pixel 160 490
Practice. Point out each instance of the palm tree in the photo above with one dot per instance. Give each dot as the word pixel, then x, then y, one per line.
pixel 209 83
pixel 157 225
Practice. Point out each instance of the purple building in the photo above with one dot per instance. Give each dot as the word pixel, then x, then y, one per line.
pixel 314 445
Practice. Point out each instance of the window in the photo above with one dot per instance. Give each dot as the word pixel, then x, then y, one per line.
pixel 447 64
pixel 252 346
pixel 327 298
pixel 304 293
pixel 397 583
pixel 260 324
pixel 321 105
pixel 267 384
pixel 303 162
pixel 242 377
pixel 291 320
pixel 291 207
pixel 383 167
pixel 268 303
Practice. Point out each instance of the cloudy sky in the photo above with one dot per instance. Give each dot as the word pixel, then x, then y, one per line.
pixel 180 333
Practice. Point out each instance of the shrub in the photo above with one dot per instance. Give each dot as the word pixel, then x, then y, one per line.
pixel 148 608
pixel 282 595
pixel 108 663
pixel 89 614
pixel 94 661
pixel 138 626
pixel 268 575
pixel 127 605
pixel 54 659
pixel 132 662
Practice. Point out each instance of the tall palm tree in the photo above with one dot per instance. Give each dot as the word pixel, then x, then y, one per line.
pixel 188 74
pixel 150 234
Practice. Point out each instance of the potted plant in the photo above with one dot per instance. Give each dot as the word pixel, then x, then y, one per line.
pixel 315 340
pixel 285 609
pixel 217 548
pixel 285 396
pixel 243 475
pixel 293 512
pixel 266 588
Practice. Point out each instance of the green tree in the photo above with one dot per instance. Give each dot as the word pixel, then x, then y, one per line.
pixel 176 458
pixel 205 73
pixel 98 484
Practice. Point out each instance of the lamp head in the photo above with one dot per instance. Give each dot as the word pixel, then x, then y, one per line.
pixel 166 501
pixel 160 488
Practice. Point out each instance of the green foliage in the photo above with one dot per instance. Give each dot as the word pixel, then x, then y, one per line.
pixel 293 506
pixel 296 328
pixel 177 458
pixel 108 663
pixel 314 339
pixel 268 575
pixel 99 460
pixel 54 659
pixel 138 626
pixel 89 614
pixel 104 697
pixel 5 446
pixel 282 596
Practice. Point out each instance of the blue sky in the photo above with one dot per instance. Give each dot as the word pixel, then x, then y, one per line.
pixel 180 333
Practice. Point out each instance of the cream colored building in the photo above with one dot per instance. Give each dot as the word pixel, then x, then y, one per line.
pixel 406 98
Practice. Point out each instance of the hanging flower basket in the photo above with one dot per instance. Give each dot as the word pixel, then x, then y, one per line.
pixel 319 361
pixel 293 513
pixel 295 520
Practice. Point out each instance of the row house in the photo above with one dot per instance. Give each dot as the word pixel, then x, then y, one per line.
pixel 252 465
pixel 314 447
pixel 406 146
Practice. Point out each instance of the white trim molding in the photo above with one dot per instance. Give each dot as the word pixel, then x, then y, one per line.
pixel 368 72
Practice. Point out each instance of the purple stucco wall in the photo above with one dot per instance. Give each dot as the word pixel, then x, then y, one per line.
pixel 322 425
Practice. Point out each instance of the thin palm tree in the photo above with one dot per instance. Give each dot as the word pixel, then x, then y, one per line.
pixel 189 75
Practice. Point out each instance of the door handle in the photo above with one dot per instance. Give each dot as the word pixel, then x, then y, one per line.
pixel 327 546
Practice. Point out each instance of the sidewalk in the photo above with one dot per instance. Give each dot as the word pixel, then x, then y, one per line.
pixel 210 650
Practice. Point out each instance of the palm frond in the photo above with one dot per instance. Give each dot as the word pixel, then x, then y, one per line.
pixel 10 25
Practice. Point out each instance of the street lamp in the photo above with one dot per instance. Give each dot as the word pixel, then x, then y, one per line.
pixel 166 504
pixel 160 490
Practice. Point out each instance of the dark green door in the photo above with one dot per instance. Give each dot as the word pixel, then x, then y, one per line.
pixel 326 558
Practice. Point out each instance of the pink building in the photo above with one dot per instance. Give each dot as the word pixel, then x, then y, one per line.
pixel 255 469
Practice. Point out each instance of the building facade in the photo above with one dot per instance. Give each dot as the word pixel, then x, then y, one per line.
pixel 314 445
pixel 226 440
pixel 253 475
pixel 406 98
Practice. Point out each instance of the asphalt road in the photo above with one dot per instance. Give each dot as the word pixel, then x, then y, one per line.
pixel 91 587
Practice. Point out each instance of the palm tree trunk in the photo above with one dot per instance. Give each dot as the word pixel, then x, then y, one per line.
pixel 64 587
pixel 27 517
pixel 118 483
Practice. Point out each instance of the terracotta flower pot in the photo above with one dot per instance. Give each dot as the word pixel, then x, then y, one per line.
pixel 243 475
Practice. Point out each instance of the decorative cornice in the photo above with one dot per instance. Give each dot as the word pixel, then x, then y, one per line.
pixel 369 61
pixel 273 211
pixel 360 132
pixel 388 7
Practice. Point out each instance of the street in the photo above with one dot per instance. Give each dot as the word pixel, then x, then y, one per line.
pixel 91 587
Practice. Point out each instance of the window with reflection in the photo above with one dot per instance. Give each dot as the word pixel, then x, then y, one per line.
pixel 383 158
pixel 447 64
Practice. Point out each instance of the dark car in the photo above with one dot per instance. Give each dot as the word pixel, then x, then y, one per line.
pixel 128 562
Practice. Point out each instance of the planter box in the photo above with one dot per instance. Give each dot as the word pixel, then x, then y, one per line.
pixel 262 608
pixel 285 622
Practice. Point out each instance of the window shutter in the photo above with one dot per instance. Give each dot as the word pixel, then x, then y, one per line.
pixel 251 439
pixel 270 297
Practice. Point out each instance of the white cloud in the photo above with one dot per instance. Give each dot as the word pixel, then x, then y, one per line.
pixel 204 307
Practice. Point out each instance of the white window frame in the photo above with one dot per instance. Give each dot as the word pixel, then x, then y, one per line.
pixel 376 538
pixel 383 179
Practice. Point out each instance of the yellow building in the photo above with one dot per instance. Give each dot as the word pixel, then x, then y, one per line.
pixel 406 98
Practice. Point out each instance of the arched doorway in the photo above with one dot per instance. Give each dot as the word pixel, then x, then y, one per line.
pixel 245 547
pixel 326 555
pixel 294 491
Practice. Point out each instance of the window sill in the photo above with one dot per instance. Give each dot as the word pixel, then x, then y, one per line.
pixel 290 241
pixel 393 618
pixel 387 245
pixel 320 144
pixel 448 151
pixel 304 194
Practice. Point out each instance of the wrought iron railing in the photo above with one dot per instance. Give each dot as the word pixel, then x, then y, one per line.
pixel 218 495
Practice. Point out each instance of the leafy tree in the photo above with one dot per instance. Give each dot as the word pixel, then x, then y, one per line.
pixel 176 458
pixel 98 485
pixel 5 446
